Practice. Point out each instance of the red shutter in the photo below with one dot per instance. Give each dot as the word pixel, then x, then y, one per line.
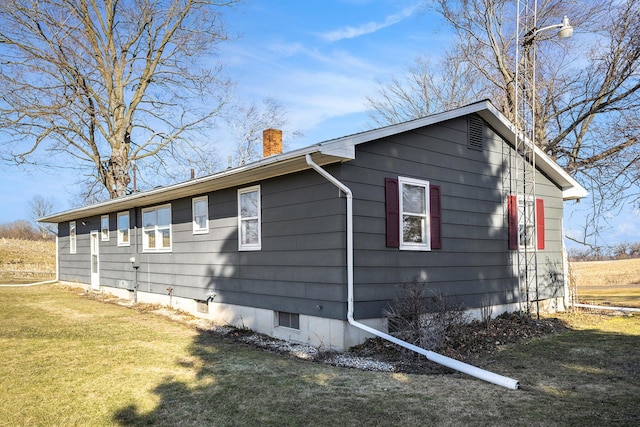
pixel 540 223
pixel 436 231
pixel 512 214
pixel 392 201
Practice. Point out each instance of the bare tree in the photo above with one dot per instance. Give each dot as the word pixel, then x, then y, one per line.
pixel 41 207
pixel 587 99
pixel 108 82
pixel 247 121
pixel 20 229
pixel 425 89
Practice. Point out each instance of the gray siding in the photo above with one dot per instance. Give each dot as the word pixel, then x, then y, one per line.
pixel 302 264
pixel 474 263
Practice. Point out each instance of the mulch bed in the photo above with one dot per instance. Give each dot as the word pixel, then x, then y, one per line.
pixel 471 342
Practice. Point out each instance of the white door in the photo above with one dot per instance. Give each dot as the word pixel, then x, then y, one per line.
pixel 95 260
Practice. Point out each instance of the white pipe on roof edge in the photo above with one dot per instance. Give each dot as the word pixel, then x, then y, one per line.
pixel 434 357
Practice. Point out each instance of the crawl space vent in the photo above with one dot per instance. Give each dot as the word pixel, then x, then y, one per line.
pixel 202 306
pixel 475 133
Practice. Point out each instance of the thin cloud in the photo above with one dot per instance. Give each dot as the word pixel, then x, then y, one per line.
pixel 368 28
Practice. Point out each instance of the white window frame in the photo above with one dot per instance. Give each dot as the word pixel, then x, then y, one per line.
pixel 425 245
pixel 255 246
pixel 527 213
pixel 121 233
pixel 156 229
pixel 73 233
pixel 104 231
pixel 197 229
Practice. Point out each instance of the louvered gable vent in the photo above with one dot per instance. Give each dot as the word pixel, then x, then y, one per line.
pixel 475 133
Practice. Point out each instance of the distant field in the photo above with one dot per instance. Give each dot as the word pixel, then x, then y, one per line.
pixel 23 261
pixel 614 283
pixel 607 273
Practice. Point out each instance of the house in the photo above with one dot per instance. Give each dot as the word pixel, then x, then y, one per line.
pixel 294 244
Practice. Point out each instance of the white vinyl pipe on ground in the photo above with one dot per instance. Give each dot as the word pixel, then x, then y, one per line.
pixel 30 284
pixel 434 357
pixel 607 307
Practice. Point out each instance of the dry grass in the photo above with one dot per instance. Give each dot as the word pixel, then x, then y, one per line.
pixel 69 360
pixel 614 283
pixel 26 260
pixel 607 273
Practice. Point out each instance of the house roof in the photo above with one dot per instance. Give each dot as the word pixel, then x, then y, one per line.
pixel 327 152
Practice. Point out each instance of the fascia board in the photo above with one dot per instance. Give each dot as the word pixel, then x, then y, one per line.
pixel 270 167
pixel 571 189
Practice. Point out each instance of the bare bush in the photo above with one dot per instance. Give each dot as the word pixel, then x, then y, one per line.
pixel 20 230
pixel 486 311
pixel 425 317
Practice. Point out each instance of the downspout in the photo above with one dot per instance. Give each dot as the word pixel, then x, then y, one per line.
pixel 430 355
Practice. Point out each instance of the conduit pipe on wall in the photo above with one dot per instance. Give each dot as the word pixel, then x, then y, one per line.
pixel 432 356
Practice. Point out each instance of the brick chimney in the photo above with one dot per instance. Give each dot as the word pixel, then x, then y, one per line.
pixel 271 142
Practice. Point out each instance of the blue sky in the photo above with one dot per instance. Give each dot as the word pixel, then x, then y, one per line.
pixel 319 59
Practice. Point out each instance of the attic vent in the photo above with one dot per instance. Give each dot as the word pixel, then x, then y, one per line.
pixel 475 133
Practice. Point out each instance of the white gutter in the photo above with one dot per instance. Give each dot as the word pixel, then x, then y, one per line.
pixel 434 357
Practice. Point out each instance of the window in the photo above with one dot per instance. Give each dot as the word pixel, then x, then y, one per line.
pixel 413 221
pixel 123 229
pixel 200 208
pixel 202 306
pixel 104 226
pixel 249 221
pixel 414 208
pixel 289 320
pixel 156 229
pixel 526 222
pixel 72 237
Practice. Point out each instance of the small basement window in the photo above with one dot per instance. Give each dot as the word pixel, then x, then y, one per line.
pixel 288 320
pixel 202 306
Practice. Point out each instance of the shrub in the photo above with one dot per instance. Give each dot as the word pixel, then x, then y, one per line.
pixel 424 317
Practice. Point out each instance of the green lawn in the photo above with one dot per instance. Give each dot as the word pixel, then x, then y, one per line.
pixel 72 361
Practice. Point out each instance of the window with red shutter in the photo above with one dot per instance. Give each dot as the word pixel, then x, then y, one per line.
pixel 419 227
pixel 540 223
pixel 436 223
pixel 521 234
pixel 512 214
pixel 392 204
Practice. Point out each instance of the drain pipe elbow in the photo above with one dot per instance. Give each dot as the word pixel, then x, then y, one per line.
pixel 434 357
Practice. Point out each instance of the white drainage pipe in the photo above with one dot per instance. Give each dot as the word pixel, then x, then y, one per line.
pixel 607 307
pixel 434 357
